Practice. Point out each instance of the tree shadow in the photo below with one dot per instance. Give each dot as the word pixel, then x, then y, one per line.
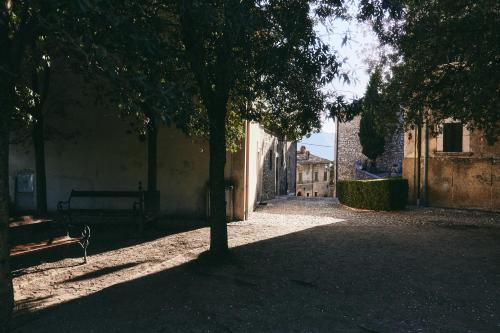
pixel 103 271
pixel 333 278
pixel 104 238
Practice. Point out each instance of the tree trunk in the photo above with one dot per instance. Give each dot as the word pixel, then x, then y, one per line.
pixel 152 157
pixel 217 219
pixel 41 180
pixel 40 87
pixel 6 291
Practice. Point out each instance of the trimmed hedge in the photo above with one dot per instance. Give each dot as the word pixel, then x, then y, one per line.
pixel 374 194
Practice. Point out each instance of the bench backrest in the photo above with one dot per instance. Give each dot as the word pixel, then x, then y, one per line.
pixel 106 194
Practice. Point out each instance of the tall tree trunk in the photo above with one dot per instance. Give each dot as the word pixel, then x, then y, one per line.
pixel 152 157
pixel 41 180
pixel 217 220
pixel 40 86
pixel 12 51
pixel 6 291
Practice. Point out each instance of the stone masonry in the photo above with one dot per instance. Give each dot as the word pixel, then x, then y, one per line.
pixel 350 151
pixel 393 153
pixel 277 167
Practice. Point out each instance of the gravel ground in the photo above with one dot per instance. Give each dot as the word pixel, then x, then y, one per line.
pixel 297 265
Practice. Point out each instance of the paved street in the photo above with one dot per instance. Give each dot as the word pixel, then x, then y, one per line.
pixel 296 266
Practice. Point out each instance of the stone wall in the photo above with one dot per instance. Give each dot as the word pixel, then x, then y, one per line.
pixel 393 152
pixel 276 170
pixel 269 145
pixel 349 149
pixel 291 167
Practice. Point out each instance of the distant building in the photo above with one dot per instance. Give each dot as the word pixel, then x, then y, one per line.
pixel 313 175
pixel 463 170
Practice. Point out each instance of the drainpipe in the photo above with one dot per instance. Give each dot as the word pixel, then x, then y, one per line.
pixel 247 168
pixel 419 155
pixel 415 164
pixel 426 166
pixel 336 155
pixel 152 195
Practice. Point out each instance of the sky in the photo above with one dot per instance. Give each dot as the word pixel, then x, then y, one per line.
pixel 361 47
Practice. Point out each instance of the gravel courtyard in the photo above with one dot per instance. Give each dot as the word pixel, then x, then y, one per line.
pixel 296 266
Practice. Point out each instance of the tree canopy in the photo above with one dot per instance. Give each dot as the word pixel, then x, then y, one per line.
pixel 446 59
pixel 203 65
pixel 256 60
pixel 372 127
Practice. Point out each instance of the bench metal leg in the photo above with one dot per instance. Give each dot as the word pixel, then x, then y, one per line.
pixel 85 242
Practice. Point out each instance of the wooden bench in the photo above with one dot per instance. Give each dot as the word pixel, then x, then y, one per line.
pixel 57 235
pixel 70 213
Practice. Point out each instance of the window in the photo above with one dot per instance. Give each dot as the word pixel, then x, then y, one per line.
pixel 325 176
pixel 316 176
pixel 308 194
pixel 300 177
pixel 271 159
pixel 315 194
pixel 452 137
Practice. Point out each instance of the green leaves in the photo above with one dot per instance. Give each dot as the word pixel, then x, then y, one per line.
pixel 447 59
pixel 379 117
pixel 263 57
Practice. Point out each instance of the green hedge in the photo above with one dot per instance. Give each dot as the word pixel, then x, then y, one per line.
pixel 375 194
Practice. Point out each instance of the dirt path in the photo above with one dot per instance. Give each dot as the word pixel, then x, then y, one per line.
pixel 297 266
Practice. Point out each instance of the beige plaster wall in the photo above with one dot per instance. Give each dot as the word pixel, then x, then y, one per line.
pixel 255 163
pixel 95 150
pixel 458 180
pixel 105 157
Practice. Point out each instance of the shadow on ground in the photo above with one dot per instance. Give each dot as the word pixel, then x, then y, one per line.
pixel 332 278
pixel 104 238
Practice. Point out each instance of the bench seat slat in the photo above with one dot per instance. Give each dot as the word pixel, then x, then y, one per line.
pixel 20 223
pixel 46 244
pixel 103 212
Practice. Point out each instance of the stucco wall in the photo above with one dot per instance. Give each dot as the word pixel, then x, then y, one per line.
pixel 308 187
pixel 95 150
pixel 254 165
pixel 237 170
pixel 104 157
pixel 458 180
